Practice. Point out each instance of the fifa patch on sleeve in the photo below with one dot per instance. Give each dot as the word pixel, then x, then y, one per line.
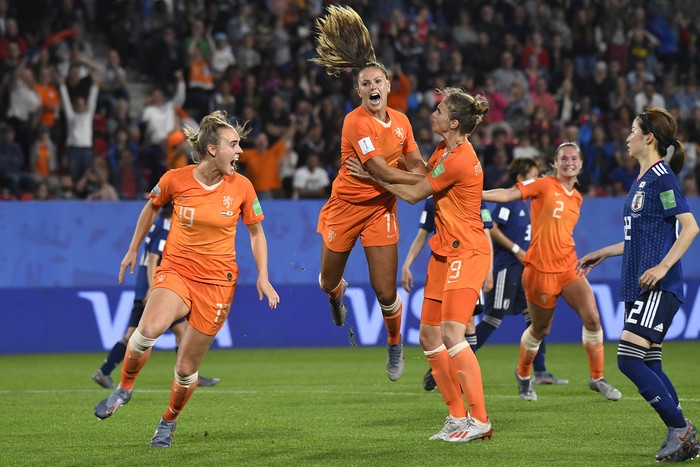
pixel 366 145
pixel 486 215
pixel 437 171
pixel 155 191
pixel 257 209
pixel 668 199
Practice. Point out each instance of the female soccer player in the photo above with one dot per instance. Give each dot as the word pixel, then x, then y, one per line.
pixel 550 268
pixel 198 273
pixel 379 137
pixel 652 278
pixel 459 263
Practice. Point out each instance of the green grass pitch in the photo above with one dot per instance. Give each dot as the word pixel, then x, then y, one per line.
pixel 324 407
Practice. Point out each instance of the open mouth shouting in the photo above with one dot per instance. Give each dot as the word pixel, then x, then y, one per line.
pixel 375 98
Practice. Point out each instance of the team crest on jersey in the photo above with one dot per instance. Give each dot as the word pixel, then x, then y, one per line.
pixel 477 168
pixel 399 133
pixel 638 201
pixel 227 200
pixel 544 297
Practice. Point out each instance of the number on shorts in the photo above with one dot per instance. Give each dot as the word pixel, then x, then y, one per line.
pixel 456 268
pixel 390 222
pixel 221 310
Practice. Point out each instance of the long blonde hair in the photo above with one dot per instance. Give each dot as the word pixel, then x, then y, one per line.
pixel 344 42
pixel 208 133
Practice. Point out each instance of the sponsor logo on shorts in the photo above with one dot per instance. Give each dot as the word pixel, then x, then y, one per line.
pixel 659 327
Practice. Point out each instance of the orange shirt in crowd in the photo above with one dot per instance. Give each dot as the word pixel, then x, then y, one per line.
pixel 200 74
pixel 41 164
pixel 554 212
pixel 201 242
pixel 458 181
pixel 365 137
pixel 398 97
pixel 50 102
pixel 263 167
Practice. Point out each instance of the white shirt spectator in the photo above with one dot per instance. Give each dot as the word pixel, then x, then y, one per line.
pixel 79 124
pixel 160 119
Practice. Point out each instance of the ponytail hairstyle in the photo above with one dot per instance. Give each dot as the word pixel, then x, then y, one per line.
pixel 209 128
pixel 661 124
pixel 344 42
pixel 468 110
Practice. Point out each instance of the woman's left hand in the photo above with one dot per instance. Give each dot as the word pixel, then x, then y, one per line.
pixel 356 169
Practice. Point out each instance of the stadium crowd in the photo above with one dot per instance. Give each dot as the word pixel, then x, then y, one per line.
pixel 552 71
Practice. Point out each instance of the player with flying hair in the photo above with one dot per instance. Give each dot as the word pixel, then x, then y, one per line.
pixel 382 139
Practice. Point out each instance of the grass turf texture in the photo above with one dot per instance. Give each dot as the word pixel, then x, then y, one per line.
pixel 330 407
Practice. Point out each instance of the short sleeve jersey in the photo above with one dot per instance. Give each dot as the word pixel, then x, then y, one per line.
pixel 650 230
pixel 201 244
pixel 366 137
pixel 513 219
pixel 153 243
pixel 554 212
pixel 458 180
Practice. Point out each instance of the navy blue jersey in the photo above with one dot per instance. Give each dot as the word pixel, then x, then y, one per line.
pixel 153 243
pixel 427 217
pixel 513 219
pixel 650 230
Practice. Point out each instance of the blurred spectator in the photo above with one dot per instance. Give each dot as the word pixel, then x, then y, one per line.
pixel 43 162
pixel 159 118
pixel 262 162
pixel 24 104
pixel 113 81
pixel 126 177
pixel 524 148
pixel 11 160
pixel 200 81
pixel 41 192
pixel 622 177
pixel 497 174
pixel 541 97
pixel 648 97
pixel 79 115
pixel 506 75
pixel 49 96
pixel 12 36
pixel 499 143
pixel 690 185
pixel 67 187
pixel 222 55
pixel 598 87
pixel 94 183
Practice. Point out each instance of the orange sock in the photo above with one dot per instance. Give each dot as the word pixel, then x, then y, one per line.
pixel 133 362
pixel 596 359
pixel 445 374
pixel 525 361
pixel 393 325
pixel 179 395
pixel 469 373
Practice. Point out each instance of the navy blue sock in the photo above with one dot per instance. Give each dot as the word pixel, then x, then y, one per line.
pixel 472 341
pixel 653 361
pixel 538 363
pixel 630 361
pixel 484 330
pixel 115 357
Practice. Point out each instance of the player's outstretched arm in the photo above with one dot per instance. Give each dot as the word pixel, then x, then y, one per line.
pixel 258 244
pixel 146 218
pixel 502 195
pixel 591 260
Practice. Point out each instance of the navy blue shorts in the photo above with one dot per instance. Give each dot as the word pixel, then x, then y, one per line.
pixel 651 314
pixel 508 295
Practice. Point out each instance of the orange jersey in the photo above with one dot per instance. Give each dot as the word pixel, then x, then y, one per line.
pixel 458 181
pixel 50 101
pixel 366 137
pixel 554 212
pixel 201 242
pixel 263 168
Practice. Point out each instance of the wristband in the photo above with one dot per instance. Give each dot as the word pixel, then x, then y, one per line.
pixel 515 249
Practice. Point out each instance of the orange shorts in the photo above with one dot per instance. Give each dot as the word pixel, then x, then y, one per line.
pixel 374 221
pixel 209 304
pixel 543 288
pixel 467 271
